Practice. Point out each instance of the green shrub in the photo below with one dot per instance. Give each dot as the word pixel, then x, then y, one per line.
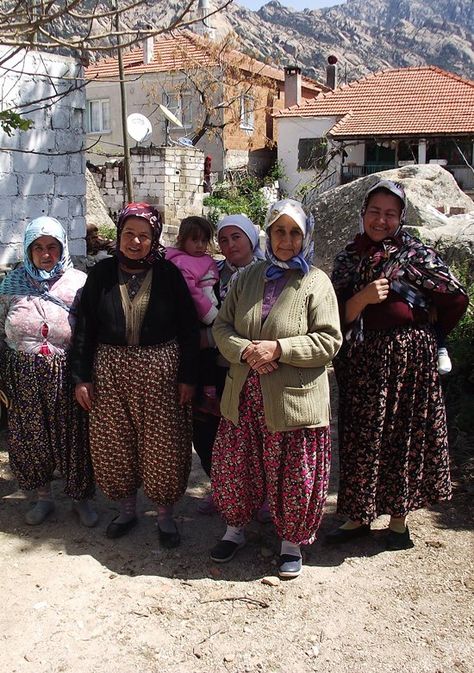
pixel 244 198
pixel 108 232
pixel 242 195
pixel 459 385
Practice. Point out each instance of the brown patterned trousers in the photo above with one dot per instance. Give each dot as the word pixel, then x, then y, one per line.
pixel 139 434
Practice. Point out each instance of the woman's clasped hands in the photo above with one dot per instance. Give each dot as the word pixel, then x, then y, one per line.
pixel 262 356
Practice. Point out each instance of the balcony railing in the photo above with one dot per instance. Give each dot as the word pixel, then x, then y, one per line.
pixel 350 173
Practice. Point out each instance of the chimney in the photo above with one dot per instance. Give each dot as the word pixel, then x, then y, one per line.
pixel 148 44
pixel 292 85
pixel 203 27
pixel 331 72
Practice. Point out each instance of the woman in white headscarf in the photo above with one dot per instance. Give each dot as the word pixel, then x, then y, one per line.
pixel 279 329
pixel 239 242
pixel 47 429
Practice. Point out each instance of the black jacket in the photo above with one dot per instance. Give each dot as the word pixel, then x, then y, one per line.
pixel 101 320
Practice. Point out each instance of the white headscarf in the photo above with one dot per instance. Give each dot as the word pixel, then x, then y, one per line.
pixel 250 229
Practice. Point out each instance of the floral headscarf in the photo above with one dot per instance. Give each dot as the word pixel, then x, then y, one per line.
pixel 151 215
pixel 28 280
pixel 304 258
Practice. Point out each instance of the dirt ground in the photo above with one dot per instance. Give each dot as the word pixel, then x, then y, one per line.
pixel 76 602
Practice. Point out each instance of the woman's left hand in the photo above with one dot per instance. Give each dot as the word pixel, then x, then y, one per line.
pixel 262 356
pixel 186 393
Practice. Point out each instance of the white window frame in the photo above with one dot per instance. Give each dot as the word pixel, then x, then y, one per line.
pixel 180 104
pixel 103 115
pixel 247 112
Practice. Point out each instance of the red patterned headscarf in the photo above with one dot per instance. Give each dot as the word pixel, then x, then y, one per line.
pixel 151 215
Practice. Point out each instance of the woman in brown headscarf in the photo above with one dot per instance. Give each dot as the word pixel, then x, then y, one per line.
pixel 134 362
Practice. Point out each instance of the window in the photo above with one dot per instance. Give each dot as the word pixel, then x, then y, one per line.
pixel 180 104
pixel 246 112
pixel 98 116
pixel 311 153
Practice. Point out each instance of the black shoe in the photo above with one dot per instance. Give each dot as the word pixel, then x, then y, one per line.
pixel 225 550
pixel 346 535
pixel 290 566
pixel 169 540
pixel 398 541
pixel 115 530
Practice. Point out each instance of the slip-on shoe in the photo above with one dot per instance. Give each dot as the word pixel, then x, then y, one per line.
pixel 225 550
pixel 398 541
pixel 290 566
pixel 115 529
pixel 169 540
pixel 347 534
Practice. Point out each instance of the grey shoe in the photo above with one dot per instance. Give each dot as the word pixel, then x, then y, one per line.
pixel 290 566
pixel 39 512
pixel 87 516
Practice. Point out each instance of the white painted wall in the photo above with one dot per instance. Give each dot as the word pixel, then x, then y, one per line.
pixel 144 94
pixel 289 131
pixel 42 171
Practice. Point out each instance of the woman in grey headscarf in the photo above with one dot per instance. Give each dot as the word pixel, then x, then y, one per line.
pixel 393 443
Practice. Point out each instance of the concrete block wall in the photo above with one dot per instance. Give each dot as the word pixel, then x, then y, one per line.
pixel 42 171
pixel 170 178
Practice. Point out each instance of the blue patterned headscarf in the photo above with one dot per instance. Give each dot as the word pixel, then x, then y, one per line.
pixel 28 280
pixel 304 258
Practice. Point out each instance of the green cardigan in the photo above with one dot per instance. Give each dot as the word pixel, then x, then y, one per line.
pixel 305 321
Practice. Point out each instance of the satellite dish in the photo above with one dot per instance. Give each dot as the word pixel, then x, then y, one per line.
pixel 170 116
pixel 139 127
pixel 185 142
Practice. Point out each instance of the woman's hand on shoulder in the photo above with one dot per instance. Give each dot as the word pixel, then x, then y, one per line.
pixel 186 392
pixel 85 395
pixel 262 356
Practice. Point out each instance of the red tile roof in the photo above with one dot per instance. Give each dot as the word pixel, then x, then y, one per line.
pixel 182 49
pixel 406 101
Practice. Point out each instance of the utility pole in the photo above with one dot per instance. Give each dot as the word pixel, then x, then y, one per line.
pixel 123 103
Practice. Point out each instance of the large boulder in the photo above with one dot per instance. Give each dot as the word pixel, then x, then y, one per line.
pixel 96 211
pixel 433 197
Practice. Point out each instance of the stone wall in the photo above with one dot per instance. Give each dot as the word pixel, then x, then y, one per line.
pixel 170 178
pixel 42 171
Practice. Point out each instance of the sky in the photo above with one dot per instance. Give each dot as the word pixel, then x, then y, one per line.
pixel 294 4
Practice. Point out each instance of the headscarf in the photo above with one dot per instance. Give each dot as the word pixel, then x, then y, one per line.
pixel 410 265
pixel 151 215
pixel 28 280
pixel 304 258
pixel 394 188
pixel 251 230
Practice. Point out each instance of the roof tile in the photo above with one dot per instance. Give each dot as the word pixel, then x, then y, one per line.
pixel 403 101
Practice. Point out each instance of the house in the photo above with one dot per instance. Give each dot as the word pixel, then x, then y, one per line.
pixel 224 99
pixel 388 119
pixel 42 170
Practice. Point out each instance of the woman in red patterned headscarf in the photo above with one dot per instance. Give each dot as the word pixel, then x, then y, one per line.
pixel 134 362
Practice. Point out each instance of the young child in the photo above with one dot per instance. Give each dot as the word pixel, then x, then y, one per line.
pixel 201 274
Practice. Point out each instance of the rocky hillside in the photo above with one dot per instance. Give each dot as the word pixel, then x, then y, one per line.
pixel 365 37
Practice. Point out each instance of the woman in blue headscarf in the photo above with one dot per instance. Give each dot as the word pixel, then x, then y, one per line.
pixel 47 429
pixel 278 328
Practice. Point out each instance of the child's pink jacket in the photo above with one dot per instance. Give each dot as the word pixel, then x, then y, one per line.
pixel 200 274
